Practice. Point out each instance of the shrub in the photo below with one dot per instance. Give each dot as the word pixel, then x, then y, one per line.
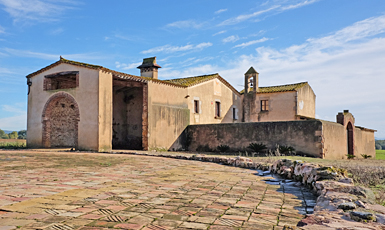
pixel 223 148
pixel 257 147
pixel 286 149
pixel 12 145
pixel 366 156
pixel 204 148
pixel 350 156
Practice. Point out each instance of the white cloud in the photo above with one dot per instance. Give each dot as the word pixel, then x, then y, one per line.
pixel 220 32
pixel 35 10
pixel 57 31
pixel 278 7
pixel 127 66
pixel 232 38
pixel 2 30
pixel 32 54
pixel 245 17
pixel 290 7
pixel 169 73
pixel 185 24
pixel 344 69
pixel 17 121
pixel 220 11
pixel 249 43
pixel 172 49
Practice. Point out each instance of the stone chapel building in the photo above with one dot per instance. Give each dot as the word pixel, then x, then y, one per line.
pixel 89 107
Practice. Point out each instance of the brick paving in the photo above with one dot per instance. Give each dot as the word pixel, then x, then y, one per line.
pixel 139 193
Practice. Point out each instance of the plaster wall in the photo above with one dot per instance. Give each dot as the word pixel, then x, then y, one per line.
pixel 207 94
pixel 282 106
pixel 334 140
pixel 86 96
pixel 105 112
pixel 364 143
pixel 168 114
pixel 306 102
pixel 304 136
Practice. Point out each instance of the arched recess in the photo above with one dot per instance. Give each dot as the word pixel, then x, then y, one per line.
pixel 350 138
pixel 60 120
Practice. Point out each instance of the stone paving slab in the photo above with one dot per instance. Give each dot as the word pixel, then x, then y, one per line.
pixel 38 191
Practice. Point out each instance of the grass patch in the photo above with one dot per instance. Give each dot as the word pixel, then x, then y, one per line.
pixel 13 145
pixel 380 154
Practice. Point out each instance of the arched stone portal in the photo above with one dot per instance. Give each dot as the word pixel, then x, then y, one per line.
pixel 350 141
pixel 60 121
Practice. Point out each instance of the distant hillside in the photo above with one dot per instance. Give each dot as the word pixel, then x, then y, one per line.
pixel 7 131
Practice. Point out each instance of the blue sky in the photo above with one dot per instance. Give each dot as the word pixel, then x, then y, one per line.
pixel 337 46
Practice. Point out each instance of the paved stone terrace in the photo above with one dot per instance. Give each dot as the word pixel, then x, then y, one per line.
pixel 66 191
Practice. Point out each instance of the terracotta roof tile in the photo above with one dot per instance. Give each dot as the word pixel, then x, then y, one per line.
pixel 279 88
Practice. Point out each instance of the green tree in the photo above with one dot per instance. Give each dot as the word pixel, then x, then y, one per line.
pixel 2 133
pixel 378 146
pixel 13 135
pixel 22 134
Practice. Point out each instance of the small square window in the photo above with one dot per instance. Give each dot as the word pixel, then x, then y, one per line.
pixel 264 105
pixel 196 106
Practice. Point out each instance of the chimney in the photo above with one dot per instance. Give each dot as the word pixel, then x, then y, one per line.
pixel 251 80
pixel 149 68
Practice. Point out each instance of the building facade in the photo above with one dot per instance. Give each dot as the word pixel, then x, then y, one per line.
pixel 89 107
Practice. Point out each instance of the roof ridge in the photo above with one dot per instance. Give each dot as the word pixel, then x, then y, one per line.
pixel 304 82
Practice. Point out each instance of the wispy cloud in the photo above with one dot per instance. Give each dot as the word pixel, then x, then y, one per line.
pixel 232 38
pixel 2 30
pixel 57 31
pixel 249 43
pixel 337 66
pixel 278 7
pixel 220 11
pixel 127 66
pixel 46 56
pixel 17 118
pixel 220 32
pixel 245 17
pixel 36 10
pixel 172 49
pixel 185 24
pixel 301 4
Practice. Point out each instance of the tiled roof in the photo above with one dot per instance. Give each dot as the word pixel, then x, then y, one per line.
pixel 190 81
pixel 279 88
pixel 180 82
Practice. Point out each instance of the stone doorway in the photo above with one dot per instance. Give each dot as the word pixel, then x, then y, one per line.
pixel 349 135
pixel 60 121
pixel 129 129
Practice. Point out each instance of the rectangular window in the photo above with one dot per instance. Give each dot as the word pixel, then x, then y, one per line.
pixel 217 109
pixel 234 114
pixel 62 80
pixel 196 106
pixel 264 105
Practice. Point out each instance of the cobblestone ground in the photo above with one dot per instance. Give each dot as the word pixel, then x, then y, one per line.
pixel 65 191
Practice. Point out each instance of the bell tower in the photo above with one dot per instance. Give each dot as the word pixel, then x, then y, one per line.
pixel 251 81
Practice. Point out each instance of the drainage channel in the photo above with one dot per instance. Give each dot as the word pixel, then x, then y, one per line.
pixel 292 187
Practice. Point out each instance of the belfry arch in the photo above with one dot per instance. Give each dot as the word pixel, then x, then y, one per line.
pixel 60 120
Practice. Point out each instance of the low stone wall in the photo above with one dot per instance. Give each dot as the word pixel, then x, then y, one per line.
pixel 340 204
pixel 304 136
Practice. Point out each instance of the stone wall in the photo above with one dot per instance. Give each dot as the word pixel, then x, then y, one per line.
pixel 304 136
